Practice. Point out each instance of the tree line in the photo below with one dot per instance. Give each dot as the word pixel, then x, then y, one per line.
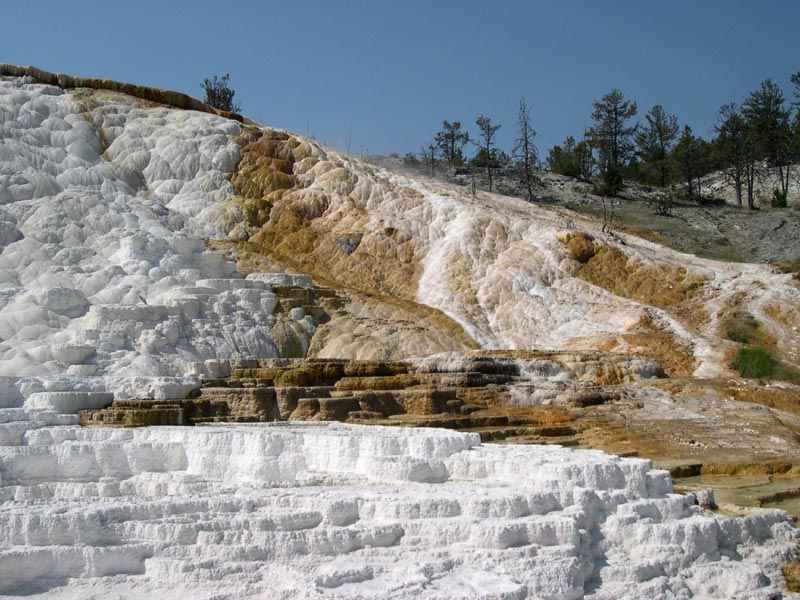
pixel 449 143
pixel 759 136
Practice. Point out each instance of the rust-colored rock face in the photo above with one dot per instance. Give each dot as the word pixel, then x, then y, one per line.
pixel 473 391
pixel 266 168
pixel 579 244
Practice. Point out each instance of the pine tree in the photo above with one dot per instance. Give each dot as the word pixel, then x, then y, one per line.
pixel 451 140
pixel 692 157
pixel 734 151
pixel 656 140
pixel 486 133
pixel 612 137
pixel 768 120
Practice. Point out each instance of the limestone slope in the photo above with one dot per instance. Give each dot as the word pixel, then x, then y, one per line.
pixel 511 274
pixel 106 201
pixel 145 247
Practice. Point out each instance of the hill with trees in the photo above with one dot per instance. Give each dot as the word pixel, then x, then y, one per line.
pixel 756 143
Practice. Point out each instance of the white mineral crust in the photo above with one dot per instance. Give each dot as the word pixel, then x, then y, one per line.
pixel 103 216
pixel 344 511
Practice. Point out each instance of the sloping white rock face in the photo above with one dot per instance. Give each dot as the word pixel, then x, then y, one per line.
pixel 338 511
pixel 498 266
pixel 105 206
pixel 103 269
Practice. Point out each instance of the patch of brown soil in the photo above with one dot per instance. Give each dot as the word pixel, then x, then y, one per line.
pixel 791 573
pixel 785 397
pixel 663 285
pixel 538 415
pixel 699 423
pixel 744 329
pixel 646 234
pixel 579 244
pixel 792 267
pixel 675 357
pixel 788 316
pixel 746 468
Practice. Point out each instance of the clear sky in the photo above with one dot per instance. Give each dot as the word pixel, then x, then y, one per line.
pixel 390 72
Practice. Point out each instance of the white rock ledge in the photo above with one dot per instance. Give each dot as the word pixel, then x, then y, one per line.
pixel 342 511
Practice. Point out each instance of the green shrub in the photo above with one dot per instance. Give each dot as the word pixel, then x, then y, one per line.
pixel 663 204
pixel 219 93
pixel 610 183
pixel 706 200
pixel 411 160
pixel 778 199
pixel 500 160
pixel 754 362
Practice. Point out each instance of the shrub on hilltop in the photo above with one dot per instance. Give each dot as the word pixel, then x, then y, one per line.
pixel 219 94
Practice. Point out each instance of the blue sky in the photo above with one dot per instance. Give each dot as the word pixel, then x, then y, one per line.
pixel 390 72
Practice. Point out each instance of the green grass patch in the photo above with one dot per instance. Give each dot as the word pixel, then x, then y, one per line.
pixel 717 248
pixel 758 363
pixel 755 363
pixel 755 360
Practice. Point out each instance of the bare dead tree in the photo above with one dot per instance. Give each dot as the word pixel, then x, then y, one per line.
pixel 609 214
pixel 429 156
pixel 525 151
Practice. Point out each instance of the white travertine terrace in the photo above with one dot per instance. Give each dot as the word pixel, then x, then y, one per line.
pixel 344 511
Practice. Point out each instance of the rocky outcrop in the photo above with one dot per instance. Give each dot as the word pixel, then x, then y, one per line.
pixel 469 392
